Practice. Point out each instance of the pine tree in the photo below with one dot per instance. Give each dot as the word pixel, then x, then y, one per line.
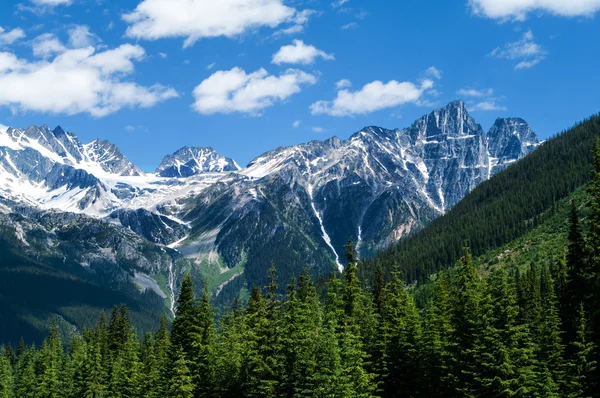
pixel 181 331
pixel 467 315
pixel 6 377
pixel 125 373
pixel 180 383
pixel 579 282
pixel 401 335
pixel 582 365
pixel 25 379
pixel 50 366
pixel 263 366
pixel 162 347
pixel 203 334
pixel 230 354
pixel 551 350
pixel 438 344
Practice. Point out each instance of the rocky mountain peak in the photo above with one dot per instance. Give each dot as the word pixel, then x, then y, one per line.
pixel 510 139
pixel 189 161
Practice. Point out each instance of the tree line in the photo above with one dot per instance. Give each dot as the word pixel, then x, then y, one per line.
pixel 521 330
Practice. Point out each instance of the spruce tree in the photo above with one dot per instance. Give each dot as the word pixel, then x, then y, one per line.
pixel 6 377
pixel 180 383
pixel 402 338
pixel 185 318
pixel 25 379
pixel 582 365
pixel 50 366
pixel 438 344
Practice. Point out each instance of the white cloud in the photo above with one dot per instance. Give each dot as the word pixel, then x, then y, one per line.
pixel 300 21
pixel 9 37
pixel 518 9
pixel 339 3
pixel 296 124
pixel 434 72
pixel 80 36
pixel 236 91
pixel 350 25
pixel 488 105
pixel 81 80
pixel 130 128
pixel 47 45
pixel 162 55
pixel 318 129
pixel 52 3
pixel 299 53
pixel 525 50
pixel 197 19
pixel 211 65
pixel 372 97
pixel 344 83
pixel 470 92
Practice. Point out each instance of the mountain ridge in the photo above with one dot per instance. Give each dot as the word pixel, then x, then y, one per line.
pixel 295 205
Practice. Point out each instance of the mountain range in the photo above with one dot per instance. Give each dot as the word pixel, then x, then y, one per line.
pixel 90 207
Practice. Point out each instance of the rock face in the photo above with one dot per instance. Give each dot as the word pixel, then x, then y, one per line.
pixel 188 161
pixel 295 206
pixel 509 140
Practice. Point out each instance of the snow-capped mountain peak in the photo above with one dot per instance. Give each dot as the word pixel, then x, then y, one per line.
pixel 189 161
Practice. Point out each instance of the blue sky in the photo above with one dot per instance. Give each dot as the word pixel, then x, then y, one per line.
pixel 246 76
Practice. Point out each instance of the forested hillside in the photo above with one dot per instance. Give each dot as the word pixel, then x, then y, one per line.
pixel 498 210
pixel 522 320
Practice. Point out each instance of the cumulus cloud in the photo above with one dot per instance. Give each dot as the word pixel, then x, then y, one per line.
pixel 234 90
pixel 481 99
pixel 197 19
pixel 470 92
pixel 75 80
pixel 80 36
pixel 11 36
pixel 372 97
pixel 344 83
pixel 526 51
pixel 299 53
pixel 489 105
pixel 518 9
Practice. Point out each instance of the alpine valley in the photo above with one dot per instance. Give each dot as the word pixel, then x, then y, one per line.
pixel 90 218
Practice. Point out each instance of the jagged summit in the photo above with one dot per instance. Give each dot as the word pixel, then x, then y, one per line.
pixel 509 140
pixel 189 161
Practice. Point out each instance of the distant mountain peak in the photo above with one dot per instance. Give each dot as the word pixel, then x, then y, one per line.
pixel 189 161
pixel 510 139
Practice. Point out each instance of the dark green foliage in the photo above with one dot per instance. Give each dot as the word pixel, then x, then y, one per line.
pixel 511 323
pixel 499 210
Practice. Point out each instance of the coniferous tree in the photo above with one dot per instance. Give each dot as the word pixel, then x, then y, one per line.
pixel 203 333
pixel 50 363
pixel 180 383
pixel 439 377
pixel 6 376
pixel 24 381
pixel 401 336
pixel 183 324
pixel 466 323
pixel 551 350
pixel 582 365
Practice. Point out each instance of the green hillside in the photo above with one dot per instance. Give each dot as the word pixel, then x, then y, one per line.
pixel 33 295
pixel 499 210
